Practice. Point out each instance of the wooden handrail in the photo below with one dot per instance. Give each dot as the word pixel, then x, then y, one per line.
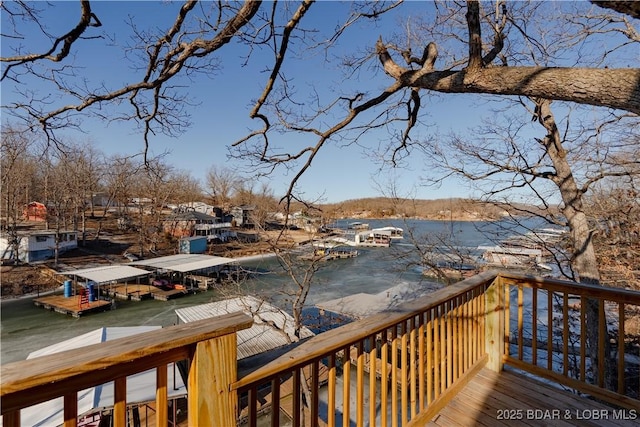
pixel 37 380
pixel 582 289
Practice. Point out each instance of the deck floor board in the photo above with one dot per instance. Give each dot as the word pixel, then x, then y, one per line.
pixel 526 401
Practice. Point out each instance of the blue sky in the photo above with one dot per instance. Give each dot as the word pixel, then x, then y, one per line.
pixel 339 173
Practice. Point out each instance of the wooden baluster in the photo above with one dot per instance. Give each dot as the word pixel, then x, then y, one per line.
pixel 346 390
pixel 520 322
pixel 275 401
pixel 475 329
pixel 565 334
pixel 373 356
pixel 443 347
pixel 549 330
pixel 11 419
pixel 331 404
pixel 360 384
pixel 429 356
pixel 450 341
pixel 252 406
pixel 421 362
pixel 404 372
pixel 295 397
pixel 120 402
pixel 394 377
pixel 482 343
pixel 507 318
pixel 466 348
pixel 534 326
pixel 162 396
pixel 621 348
pixel 384 378
pixel 413 385
pixel 436 354
pixel 70 410
pixel 315 389
pixel 583 338
pixel 457 335
pixel 602 336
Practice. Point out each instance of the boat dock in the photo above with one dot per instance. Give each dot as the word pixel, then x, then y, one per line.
pixel 78 305
pixel 74 306
pixel 136 292
pixel 329 254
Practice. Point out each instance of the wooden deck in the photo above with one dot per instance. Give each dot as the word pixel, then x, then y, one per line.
pixel 71 305
pixel 136 292
pixel 510 399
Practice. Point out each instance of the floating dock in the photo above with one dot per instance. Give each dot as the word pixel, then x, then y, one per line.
pixel 73 306
pixel 135 292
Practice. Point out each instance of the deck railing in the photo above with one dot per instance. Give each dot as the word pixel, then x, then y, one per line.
pixel 555 343
pixel 208 345
pixel 395 368
pixel 387 369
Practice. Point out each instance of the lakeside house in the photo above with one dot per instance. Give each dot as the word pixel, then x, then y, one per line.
pixel 191 223
pixel 37 245
pixel 243 216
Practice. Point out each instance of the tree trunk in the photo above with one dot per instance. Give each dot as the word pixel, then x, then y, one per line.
pixel 583 262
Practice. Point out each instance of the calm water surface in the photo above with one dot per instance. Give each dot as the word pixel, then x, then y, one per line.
pixel 26 328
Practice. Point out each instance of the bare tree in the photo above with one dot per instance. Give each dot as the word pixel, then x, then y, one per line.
pixel 613 206
pixel 82 166
pixel 185 189
pixel 200 32
pixel 17 165
pixel 221 183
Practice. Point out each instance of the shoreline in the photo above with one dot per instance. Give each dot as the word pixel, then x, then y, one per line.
pixel 15 298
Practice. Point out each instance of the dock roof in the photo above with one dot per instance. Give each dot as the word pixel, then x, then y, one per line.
pixel 272 327
pixel 184 263
pixel 107 273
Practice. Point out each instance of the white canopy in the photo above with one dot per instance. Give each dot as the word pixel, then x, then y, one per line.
pixel 108 273
pixel 141 387
pixel 184 262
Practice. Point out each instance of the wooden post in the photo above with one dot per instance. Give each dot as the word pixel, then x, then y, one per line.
pixel 494 324
pixel 70 410
pixel 162 397
pixel 213 369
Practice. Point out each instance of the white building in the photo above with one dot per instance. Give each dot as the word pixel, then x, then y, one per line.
pixel 37 245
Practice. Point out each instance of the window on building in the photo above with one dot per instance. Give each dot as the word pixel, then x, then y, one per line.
pixel 42 238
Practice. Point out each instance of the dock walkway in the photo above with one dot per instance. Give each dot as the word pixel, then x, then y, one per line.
pixel 71 305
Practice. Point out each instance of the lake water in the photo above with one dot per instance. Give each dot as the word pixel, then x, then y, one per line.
pixel 26 328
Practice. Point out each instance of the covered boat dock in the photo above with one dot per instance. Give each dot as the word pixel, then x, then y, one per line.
pixel 83 296
pixel 184 269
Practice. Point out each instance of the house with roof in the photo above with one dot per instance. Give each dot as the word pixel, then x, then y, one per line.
pixel 35 211
pixel 243 216
pixel 189 223
pixel 37 245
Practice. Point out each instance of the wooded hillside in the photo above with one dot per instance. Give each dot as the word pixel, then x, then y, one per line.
pixel 440 209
